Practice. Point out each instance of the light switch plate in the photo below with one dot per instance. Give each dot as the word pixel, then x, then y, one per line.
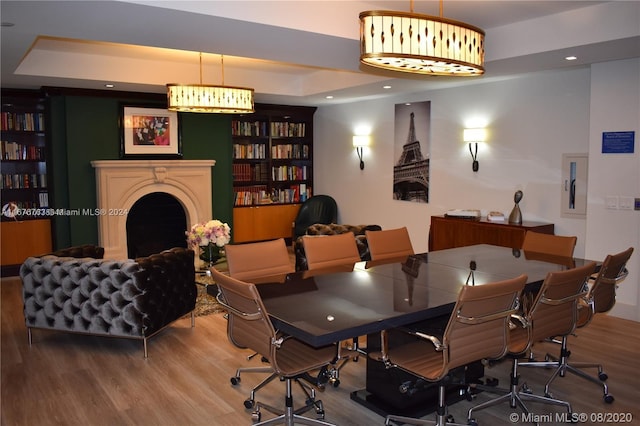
pixel 611 202
pixel 626 203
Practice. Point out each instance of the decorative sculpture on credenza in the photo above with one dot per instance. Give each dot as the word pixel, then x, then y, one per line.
pixel 516 215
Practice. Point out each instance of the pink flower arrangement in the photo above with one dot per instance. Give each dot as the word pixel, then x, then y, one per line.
pixel 211 232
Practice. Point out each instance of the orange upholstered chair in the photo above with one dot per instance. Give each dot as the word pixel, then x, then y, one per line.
pixel 389 244
pixel 330 250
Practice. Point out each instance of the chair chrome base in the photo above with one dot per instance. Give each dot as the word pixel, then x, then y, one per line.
pixel 289 416
pixel 341 361
pixel 441 414
pixel 562 366
pixel 516 396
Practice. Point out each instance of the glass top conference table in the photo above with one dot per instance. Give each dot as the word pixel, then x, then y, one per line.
pixel 327 306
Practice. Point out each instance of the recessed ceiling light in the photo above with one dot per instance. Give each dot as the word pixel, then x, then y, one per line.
pixel 109 85
pixel 329 97
pixel 571 58
pixel 386 87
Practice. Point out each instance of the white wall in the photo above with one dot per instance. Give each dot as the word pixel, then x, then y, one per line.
pixel 532 121
pixel 615 106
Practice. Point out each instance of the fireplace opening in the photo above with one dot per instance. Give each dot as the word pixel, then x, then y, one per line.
pixel 156 222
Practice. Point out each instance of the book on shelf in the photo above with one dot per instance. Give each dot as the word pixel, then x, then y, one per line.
pixel 23 181
pixel 256 151
pixel 290 151
pixel 43 199
pixel 250 195
pixel 285 172
pixel 22 121
pixel 249 172
pixel 16 151
pixel 248 128
pixel 287 129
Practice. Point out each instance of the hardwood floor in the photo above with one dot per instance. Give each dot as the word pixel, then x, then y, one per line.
pixel 65 379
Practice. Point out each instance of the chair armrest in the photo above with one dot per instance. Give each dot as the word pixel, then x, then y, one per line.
pixel 520 319
pixel 437 344
pixel 383 355
pixel 244 315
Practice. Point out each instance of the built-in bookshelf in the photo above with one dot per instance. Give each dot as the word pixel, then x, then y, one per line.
pixel 273 155
pixel 24 183
pixel 272 169
pixel 23 149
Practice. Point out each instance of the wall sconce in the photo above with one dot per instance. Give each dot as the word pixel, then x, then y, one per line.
pixel 473 136
pixel 359 142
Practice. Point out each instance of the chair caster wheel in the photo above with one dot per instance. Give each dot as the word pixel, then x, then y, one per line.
pixel 450 419
pixel 608 398
pixel 248 404
pixel 235 380
pixel 472 422
pixel 603 376
pixel 336 383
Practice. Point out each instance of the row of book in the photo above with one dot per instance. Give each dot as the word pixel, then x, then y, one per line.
pixel 249 128
pixel 293 194
pixel 281 173
pixel 249 151
pixel 249 172
pixel 22 121
pixel 295 151
pixel 251 195
pixel 23 181
pixel 284 128
pixel 258 194
pixel 276 128
pixel 17 151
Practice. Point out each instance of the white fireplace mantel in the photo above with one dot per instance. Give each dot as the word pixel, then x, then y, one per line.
pixel 120 183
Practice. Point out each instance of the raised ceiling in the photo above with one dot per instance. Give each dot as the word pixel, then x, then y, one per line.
pixel 295 52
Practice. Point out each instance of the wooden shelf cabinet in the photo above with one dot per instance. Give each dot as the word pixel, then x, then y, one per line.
pixel 272 169
pixel 23 150
pixel 273 155
pixel 260 223
pixel 449 232
pixel 24 181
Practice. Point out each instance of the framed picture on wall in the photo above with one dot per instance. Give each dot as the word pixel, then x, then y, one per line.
pixel 149 133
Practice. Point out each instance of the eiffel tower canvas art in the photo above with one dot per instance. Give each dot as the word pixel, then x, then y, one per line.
pixel 411 171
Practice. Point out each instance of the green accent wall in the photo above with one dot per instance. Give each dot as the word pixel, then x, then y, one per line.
pixel 86 128
pixel 208 137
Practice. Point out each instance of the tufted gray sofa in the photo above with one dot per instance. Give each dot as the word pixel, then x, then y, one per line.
pixel 118 298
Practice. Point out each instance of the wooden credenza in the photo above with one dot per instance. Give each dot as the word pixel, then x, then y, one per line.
pixel 450 232
pixel 265 222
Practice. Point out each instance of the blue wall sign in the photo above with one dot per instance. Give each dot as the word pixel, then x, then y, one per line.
pixel 618 142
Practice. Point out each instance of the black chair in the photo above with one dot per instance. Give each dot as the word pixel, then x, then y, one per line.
pixel 317 209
